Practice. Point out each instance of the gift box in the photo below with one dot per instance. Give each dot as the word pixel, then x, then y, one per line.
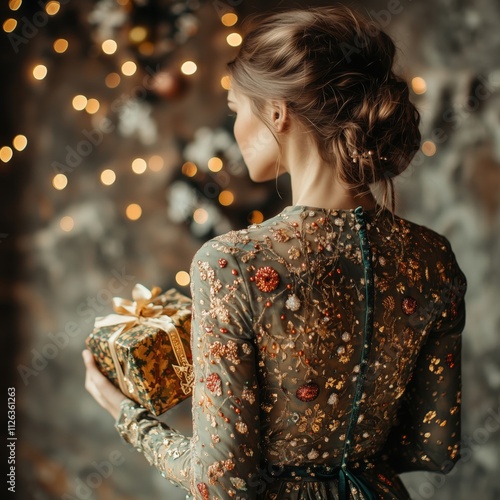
pixel 144 348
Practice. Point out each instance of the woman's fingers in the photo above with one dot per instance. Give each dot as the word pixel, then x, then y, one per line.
pixel 100 388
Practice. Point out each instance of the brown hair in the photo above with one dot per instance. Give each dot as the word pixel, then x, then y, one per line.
pixel 334 70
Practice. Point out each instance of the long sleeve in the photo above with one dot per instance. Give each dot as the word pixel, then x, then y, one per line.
pixel 226 430
pixel 428 433
pixel 224 452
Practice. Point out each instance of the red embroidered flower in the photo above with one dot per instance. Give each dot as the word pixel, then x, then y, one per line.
pixel 408 305
pixel 307 392
pixel 214 384
pixel 222 262
pixel 203 489
pixel 267 279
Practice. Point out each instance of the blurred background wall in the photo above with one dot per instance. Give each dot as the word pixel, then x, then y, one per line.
pixel 117 160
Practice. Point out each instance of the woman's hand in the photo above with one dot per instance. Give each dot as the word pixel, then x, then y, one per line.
pixel 100 388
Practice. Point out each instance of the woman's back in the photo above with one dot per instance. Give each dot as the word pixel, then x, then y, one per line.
pixel 294 288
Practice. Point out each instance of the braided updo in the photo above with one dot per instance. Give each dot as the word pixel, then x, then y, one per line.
pixel 334 70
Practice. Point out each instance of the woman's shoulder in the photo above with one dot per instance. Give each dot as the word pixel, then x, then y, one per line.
pixel 423 239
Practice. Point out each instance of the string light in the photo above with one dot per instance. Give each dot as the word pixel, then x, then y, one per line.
pixel 108 177
pixel 189 169
pixel 255 217
pixel 92 106
pixel 189 68
pixel 429 148
pixel 200 216
pixel 15 4
pixel 20 142
pixel 129 68
pixel 60 45
pixel 229 19
pixel 6 154
pixel 52 8
pixel 182 278
pixel 39 72
pixel 133 211
pixel 215 164
pixel 226 198
pixel 156 163
pixel 79 102
pixel 109 46
pixel 234 39
pixel 418 85
pixel 112 80
pixel 60 181
pixel 9 25
pixel 67 223
pixel 225 82
pixel 139 166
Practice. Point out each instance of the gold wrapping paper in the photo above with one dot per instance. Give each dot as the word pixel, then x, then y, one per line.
pixel 144 348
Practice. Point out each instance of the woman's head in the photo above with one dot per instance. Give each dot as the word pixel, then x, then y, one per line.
pixel 334 71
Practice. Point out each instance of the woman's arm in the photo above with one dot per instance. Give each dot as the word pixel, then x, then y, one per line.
pixel 224 453
pixel 428 434
pixel 226 426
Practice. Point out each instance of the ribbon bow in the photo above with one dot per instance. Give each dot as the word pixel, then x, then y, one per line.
pixel 143 310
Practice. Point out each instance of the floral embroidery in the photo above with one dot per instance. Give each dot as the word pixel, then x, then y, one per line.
pixel 214 384
pixel 308 392
pixel 267 279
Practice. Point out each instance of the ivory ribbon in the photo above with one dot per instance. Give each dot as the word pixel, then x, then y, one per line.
pixel 142 310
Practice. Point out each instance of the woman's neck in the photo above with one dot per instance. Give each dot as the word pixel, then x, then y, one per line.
pixel 314 182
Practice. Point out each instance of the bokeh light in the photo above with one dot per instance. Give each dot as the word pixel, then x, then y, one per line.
pixel 9 25
pixel 15 4
pixel 156 163
pixel 108 177
pixel 40 71
pixel 234 39
pixel 52 8
pixel 225 82
pixel 61 45
pixel 60 181
pixel 189 68
pixel 139 166
pixel 255 217
pixel 133 211
pixel 418 85
pixel 229 19
pixel 138 34
pixel 67 223
pixel 6 154
pixel 146 48
pixel 112 80
pixel 129 68
pixel 200 216
pixel 20 142
pixel 226 198
pixel 189 169
pixel 182 278
pixel 215 164
pixel 109 46
pixel 92 106
pixel 429 148
pixel 79 102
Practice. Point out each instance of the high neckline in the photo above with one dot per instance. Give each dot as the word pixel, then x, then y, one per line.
pixel 296 208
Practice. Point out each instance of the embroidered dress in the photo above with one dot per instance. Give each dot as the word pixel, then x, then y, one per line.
pixel 326 348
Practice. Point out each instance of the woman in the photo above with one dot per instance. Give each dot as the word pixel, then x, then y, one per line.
pixel 326 340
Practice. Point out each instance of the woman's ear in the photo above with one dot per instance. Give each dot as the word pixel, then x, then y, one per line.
pixel 279 117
